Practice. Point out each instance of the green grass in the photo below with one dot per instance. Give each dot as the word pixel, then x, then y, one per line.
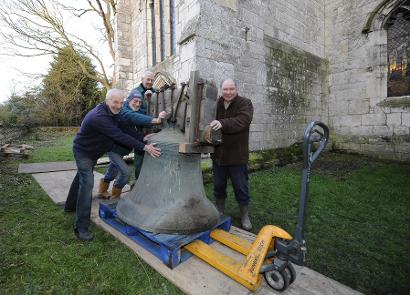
pixel 38 250
pixel 50 147
pixel 357 228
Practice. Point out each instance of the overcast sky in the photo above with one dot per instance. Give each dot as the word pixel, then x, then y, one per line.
pixel 13 69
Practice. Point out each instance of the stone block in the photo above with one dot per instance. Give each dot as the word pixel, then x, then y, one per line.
pixel 194 8
pixel 124 62
pixel 358 106
pixel 232 4
pixel 405 119
pixel 187 51
pixel 256 136
pixel 381 131
pixel 374 119
pixel 251 18
pixel 405 157
pixel 393 119
pixel 349 146
pixel 401 130
pixel 339 107
pixel 347 120
pixel 378 148
pixel 257 127
pixel 403 147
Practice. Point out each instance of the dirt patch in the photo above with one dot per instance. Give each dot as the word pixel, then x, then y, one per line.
pixel 45 137
pixel 338 165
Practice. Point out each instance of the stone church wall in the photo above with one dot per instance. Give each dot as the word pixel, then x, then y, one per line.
pixel 134 49
pixel 297 60
pixel 361 117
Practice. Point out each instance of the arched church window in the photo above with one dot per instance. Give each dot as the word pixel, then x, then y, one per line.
pixel 163 41
pixel 398 51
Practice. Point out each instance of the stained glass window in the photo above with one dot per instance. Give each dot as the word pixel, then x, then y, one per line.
pixel 398 51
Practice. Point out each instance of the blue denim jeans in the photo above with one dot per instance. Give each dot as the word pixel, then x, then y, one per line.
pixel 117 169
pixel 239 178
pixel 80 194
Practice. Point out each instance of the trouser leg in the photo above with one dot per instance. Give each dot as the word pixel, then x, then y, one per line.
pixel 239 178
pixel 71 201
pixel 84 198
pixel 122 168
pixel 220 174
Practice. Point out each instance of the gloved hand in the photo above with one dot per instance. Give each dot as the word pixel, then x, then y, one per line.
pixel 216 125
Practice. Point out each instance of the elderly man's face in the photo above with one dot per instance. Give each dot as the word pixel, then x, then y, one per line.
pixel 228 90
pixel 115 104
pixel 135 103
pixel 147 81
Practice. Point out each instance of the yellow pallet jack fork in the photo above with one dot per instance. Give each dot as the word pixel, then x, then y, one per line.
pixel 274 249
pixel 245 272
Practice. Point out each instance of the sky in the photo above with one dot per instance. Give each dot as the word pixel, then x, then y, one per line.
pixel 18 73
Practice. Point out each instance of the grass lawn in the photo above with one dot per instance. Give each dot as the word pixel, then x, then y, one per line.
pixel 39 254
pixel 357 228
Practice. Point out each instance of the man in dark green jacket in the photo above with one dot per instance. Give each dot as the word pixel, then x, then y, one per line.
pixel 230 160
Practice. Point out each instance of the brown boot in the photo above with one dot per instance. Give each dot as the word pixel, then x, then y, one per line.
pixel 116 192
pixel 103 189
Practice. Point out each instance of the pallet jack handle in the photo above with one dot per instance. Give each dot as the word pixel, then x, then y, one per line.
pixel 295 250
pixel 315 132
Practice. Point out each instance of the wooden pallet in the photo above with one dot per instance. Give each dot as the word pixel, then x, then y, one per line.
pixel 15 150
pixel 167 247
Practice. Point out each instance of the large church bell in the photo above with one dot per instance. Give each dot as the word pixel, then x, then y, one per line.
pixel 169 196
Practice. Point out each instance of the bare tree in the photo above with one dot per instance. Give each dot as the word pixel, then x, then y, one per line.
pixel 36 27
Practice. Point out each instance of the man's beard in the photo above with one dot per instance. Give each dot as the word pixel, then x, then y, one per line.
pixel 134 108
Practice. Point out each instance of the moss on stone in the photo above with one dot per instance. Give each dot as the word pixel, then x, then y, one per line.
pixel 265 159
pixel 291 75
pixel 398 102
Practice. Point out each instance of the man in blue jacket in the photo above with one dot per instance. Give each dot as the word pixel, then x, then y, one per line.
pixel 98 132
pixel 118 168
pixel 145 87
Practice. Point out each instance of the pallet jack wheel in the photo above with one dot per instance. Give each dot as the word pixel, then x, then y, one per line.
pixel 277 280
pixel 291 273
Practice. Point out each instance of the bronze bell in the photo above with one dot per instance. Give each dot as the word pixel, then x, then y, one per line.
pixel 169 196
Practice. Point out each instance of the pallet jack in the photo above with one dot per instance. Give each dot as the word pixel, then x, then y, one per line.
pixel 274 250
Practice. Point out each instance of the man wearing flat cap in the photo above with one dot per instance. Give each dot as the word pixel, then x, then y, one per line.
pixel 118 169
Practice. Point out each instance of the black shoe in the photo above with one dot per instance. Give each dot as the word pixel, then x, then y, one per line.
pixel 83 234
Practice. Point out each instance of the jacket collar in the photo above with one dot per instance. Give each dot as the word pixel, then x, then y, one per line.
pixel 107 109
pixel 221 100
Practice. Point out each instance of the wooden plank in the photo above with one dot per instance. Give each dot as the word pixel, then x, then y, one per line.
pixel 192 148
pixel 191 134
pixel 59 166
pixel 228 265
pixel 57 184
pixel 4 147
pixel 46 167
pixel 12 149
